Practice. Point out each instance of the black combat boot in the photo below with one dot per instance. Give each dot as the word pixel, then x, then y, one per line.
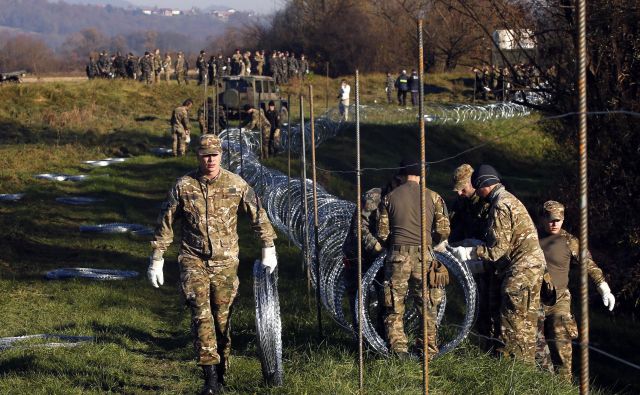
pixel 211 384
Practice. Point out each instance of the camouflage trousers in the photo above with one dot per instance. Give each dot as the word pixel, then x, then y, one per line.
pixel 179 143
pixel 146 77
pixel 209 291
pixel 518 313
pixel 180 76
pixel 266 142
pixel 167 75
pixel 403 280
pixel 557 328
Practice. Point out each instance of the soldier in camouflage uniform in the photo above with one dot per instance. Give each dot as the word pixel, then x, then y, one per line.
pixel 274 67
pixel 201 65
pixel 511 248
pixel 180 127
pixel 400 228
pixel 284 67
pixel 167 66
pixel 146 64
pixel 389 86
pixel 561 250
pixel 259 121
pixel 180 68
pixel 292 64
pixel 157 65
pixel 469 217
pixel 304 66
pixel 207 200
pixel 238 63
pixel 259 61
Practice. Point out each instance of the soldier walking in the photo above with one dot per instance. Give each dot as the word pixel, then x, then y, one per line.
pixel 259 121
pixel 180 68
pixel 561 251
pixel 400 228
pixel 201 65
pixel 511 249
pixel 157 65
pixel 208 257
pixel 180 128
pixel 146 64
pixel 388 87
pixel 167 67
pixel 273 116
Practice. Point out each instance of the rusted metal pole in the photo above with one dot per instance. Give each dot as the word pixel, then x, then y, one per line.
pixel 423 214
pixel 326 90
pixel 305 207
pixel 359 227
pixel 316 225
pixel 289 168
pixel 584 208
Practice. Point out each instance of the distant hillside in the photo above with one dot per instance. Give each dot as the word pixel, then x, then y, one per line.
pixel 113 3
pixel 56 21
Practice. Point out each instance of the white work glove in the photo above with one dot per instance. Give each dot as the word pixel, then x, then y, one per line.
pixel 475 266
pixel 464 253
pixel 442 246
pixel 607 297
pixel 154 272
pixel 269 259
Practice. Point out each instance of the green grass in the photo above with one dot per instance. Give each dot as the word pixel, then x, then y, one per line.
pixel 142 340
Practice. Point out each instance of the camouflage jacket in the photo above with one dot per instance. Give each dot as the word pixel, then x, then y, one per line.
pixel 180 64
pixel 390 83
pixel 468 217
pixel 440 228
pixel 258 121
pixel 209 213
pixel 166 64
pixel 510 234
pixel 201 63
pixel 180 119
pixel 157 63
pixel 237 58
pixel 370 213
pixel 146 64
pixel 561 256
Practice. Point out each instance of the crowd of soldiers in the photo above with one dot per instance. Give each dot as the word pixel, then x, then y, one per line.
pixel 522 270
pixel 281 65
pixel 152 67
pixel 501 82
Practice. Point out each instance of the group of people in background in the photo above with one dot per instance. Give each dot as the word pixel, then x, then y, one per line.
pixel 154 67
pixel 498 83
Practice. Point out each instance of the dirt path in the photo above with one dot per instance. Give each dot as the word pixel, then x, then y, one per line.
pixel 28 80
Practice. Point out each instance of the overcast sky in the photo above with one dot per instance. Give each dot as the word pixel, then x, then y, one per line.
pixel 261 6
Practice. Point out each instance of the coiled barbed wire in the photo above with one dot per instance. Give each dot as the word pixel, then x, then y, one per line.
pixel 334 214
pixel 90 273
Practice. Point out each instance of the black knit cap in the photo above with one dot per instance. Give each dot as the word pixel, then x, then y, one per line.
pixel 410 166
pixel 485 176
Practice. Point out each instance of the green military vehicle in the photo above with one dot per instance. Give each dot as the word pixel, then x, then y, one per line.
pixel 234 92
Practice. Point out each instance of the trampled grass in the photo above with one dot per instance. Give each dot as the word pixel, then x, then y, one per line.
pixel 142 341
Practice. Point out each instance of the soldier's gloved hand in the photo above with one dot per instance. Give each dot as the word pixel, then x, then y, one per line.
pixel 154 272
pixel 442 246
pixel 607 297
pixel 476 266
pixel 464 253
pixel 377 247
pixel 269 259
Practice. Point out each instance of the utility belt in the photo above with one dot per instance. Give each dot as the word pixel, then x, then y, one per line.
pixel 437 273
pixel 405 248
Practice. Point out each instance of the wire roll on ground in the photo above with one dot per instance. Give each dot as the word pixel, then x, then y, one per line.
pixel 268 325
pixel 90 273
pixel 69 341
pixel 460 273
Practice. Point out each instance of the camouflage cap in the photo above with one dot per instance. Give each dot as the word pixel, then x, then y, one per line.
pixel 553 211
pixel 462 176
pixel 209 145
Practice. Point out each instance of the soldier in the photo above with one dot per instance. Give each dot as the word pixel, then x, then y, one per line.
pixel 92 68
pixel 211 70
pixel 207 200
pixel 180 68
pixel 132 66
pixel 292 64
pixel 259 121
pixel 180 127
pixel 259 61
pixel 469 217
pixel 511 248
pixel 284 67
pixel 402 85
pixel 201 65
pixel 400 228
pixel 304 66
pixel 146 64
pixel 414 87
pixel 157 66
pixel 238 63
pixel 207 125
pixel 273 67
pixel 167 67
pixel 388 87
pixel 119 66
pixel 273 116
pixel 561 250
pixel 343 97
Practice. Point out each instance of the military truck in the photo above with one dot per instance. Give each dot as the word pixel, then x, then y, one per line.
pixel 12 77
pixel 234 92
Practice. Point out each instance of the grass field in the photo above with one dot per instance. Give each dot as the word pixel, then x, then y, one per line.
pixel 142 341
